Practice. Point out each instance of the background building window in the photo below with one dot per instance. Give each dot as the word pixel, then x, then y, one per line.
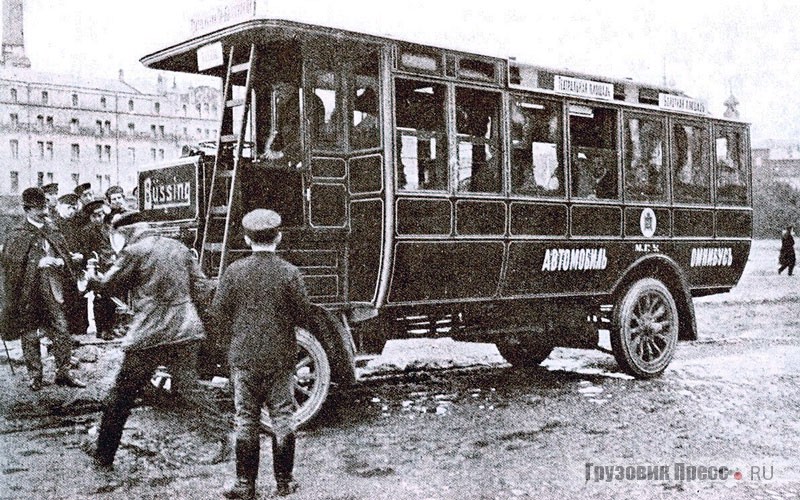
pixel 157 107
pixel 99 125
pixel 45 97
pixel 40 122
pixel 99 149
pixel 130 105
pixel 14 96
pixel 40 146
pixel 14 118
pixel 160 154
pixel 50 123
pixel 40 179
pixel 161 130
pixel 49 149
pixel 49 177
pixel 74 99
pixel 74 126
pixel 107 149
pixel 14 144
pixel 103 102
pixel 108 127
pixel 76 178
pixel 131 129
pixel 75 153
pixel 153 130
pixel 14 187
pixel 132 155
pixel 100 185
pixel 153 153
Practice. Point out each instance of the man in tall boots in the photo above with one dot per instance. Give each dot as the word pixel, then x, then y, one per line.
pixel 259 301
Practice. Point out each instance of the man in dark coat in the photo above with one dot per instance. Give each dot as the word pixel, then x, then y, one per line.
pixel 38 271
pixel 51 193
pixel 165 331
pixel 65 221
pixel 786 259
pixel 259 302
pixel 94 238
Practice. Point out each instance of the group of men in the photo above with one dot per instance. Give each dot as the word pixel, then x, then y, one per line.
pixel 43 260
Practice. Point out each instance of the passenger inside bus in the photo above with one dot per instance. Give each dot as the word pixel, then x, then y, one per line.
pixel 592 178
pixel 535 149
pixel 364 133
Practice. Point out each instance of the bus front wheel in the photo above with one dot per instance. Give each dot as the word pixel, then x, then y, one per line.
pixel 312 380
pixel 645 333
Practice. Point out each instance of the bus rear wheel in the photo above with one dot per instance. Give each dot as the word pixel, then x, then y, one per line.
pixel 645 333
pixel 523 351
pixel 312 380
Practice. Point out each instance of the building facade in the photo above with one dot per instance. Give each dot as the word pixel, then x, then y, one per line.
pixel 56 128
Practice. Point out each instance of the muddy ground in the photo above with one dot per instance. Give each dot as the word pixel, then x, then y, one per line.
pixel 463 424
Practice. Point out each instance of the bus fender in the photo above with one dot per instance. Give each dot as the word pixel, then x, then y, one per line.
pixel 667 270
pixel 337 340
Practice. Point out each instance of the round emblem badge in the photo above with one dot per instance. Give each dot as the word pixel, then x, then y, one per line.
pixel 647 223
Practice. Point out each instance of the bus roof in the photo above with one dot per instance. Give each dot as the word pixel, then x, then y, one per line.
pixel 181 56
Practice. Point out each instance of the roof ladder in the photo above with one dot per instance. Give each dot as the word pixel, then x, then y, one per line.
pixel 223 199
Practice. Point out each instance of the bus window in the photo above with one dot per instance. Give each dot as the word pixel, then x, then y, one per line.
pixel 364 123
pixel 691 176
pixel 593 142
pixel 731 168
pixel 645 175
pixel 421 135
pixel 536 152
pixel 323 111
pixel 477 123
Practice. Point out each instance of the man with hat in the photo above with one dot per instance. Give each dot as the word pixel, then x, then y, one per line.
pixel 65 221
pixel 165 331
pixel 95 239
pixel 259 301
pixel 38 272
pixel 85 196
pixel 51 193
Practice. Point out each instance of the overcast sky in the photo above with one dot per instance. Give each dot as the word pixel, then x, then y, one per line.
pixel 708 48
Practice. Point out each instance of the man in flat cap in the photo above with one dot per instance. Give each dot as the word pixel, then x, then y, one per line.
pixel 51 193
pixel 95 239
pixel 38 271
pixel 165 331
pixel 85 196
pixel 259 301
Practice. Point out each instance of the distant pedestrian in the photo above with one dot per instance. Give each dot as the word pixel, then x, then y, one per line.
pixel 38 272
pixel 165 330
pixel 787 256
pixel 260 300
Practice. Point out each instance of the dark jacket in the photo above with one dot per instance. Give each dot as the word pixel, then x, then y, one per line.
pixel 94 238
pixel 787 256
pixel 159 272
pixel 23 307
pixel 259 301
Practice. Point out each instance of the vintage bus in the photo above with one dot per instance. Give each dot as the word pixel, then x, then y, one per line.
pixel 427 191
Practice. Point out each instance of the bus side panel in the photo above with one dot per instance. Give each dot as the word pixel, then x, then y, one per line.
pixel 440 270
pixel 364 249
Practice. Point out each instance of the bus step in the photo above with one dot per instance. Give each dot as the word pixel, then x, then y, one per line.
pixel 213 247
pixel 228 139
pixel 219 210
pixel 224 173
pixel 234 102
pixel 238 68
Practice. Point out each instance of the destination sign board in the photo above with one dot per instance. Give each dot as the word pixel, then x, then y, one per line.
pixel 682 103
pixel 583 88
pixel 225 14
